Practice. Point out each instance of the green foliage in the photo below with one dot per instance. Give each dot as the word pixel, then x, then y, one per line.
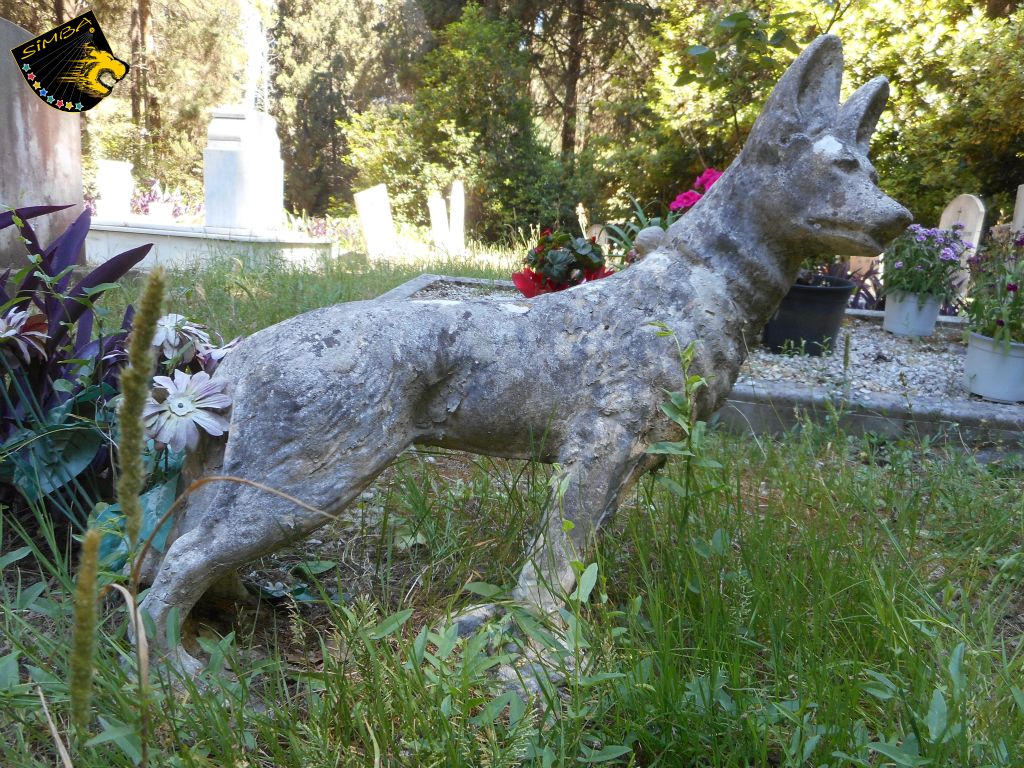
pixel 333 59
pixel 954 74
pixel 471 118
pixel 385 147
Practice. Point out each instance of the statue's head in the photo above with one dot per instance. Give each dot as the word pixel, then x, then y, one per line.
pixel 806 161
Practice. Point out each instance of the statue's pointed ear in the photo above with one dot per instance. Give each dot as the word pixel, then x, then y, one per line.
pixel 859 115
pixel 806 98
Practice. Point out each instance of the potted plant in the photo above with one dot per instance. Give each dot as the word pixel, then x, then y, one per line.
pixel 809 315
pixel 994 367
pixel 920 268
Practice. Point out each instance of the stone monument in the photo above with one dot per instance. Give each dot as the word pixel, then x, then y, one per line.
pixel 243 174
pixel 40 153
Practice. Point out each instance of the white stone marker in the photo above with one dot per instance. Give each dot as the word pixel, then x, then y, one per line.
pixel 243 175
pixel 114 188
pixel 374 209
pixel 439 234
pixel 969 211
pixel 457 225
pixel 40 153
pixel 1018 211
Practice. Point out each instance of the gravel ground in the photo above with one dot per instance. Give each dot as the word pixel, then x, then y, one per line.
pixel 879 361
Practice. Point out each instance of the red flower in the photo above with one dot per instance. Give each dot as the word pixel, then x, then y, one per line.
pixel 531 283
pixel 597 274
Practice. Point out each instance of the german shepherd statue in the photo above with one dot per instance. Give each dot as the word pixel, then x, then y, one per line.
pixel 584 368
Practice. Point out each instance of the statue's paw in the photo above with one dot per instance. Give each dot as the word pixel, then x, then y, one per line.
pixel 470 620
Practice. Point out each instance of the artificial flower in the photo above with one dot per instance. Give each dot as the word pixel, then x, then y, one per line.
pixel 179 407
pixel 26 333
pixel 176 337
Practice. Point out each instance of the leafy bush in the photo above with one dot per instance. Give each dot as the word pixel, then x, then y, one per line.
pixel 59 368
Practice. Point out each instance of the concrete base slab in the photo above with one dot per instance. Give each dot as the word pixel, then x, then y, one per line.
pixel 185 245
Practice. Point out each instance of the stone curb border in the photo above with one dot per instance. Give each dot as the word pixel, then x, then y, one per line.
pixel 764 407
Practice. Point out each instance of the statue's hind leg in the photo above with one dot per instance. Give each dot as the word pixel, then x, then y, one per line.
pixel 244 522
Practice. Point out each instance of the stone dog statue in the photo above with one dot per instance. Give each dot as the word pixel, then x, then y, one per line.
pixel 580 373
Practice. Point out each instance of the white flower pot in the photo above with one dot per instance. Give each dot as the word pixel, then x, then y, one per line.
pixel 994 371
pixel 910 314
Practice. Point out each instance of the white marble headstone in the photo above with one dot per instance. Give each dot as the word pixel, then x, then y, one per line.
pixel 439 234
pixel 374 208
pixel 114 187
pixel 243 175
pixel 457 225
pixel 969 211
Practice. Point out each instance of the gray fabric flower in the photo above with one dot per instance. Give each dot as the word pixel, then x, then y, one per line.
pixel 180 407
pixel 175 336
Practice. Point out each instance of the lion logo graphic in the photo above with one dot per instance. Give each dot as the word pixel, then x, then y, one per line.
pixel 88 72
pixel 71 67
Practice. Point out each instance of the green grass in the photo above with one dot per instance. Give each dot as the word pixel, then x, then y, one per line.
pixel 235 298
pixel 820 600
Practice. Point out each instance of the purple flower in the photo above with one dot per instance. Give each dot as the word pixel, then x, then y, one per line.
pixel 1000 323
pixel 179 407
pixel 921 238
pixel 947 254
pixel 1019 242
pixel 897 265
pixel 1011 287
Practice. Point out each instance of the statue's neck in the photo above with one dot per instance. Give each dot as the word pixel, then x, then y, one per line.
pixel 724 232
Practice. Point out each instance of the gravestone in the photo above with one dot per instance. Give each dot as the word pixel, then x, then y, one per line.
pixel 439 234
pixel 969 211
pixel 114 187
pixel 243 175
pixel 40 153
pixel 457 222
pixel 374 209
pixel 1018 211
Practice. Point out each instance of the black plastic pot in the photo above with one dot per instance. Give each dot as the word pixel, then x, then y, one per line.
pixel 809 317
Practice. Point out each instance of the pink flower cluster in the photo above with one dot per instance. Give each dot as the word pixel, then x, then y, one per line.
pixel 701 184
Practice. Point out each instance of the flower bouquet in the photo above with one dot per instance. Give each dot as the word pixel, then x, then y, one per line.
pixel 560 261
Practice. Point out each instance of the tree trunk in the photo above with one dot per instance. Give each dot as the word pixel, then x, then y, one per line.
pixel 58 11
pixel 140 39
pixel 574 57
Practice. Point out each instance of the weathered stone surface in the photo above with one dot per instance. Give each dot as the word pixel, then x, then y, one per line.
pixel 575 377
pixel 40 153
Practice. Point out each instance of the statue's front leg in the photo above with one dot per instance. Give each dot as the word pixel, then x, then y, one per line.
pixel 585 494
